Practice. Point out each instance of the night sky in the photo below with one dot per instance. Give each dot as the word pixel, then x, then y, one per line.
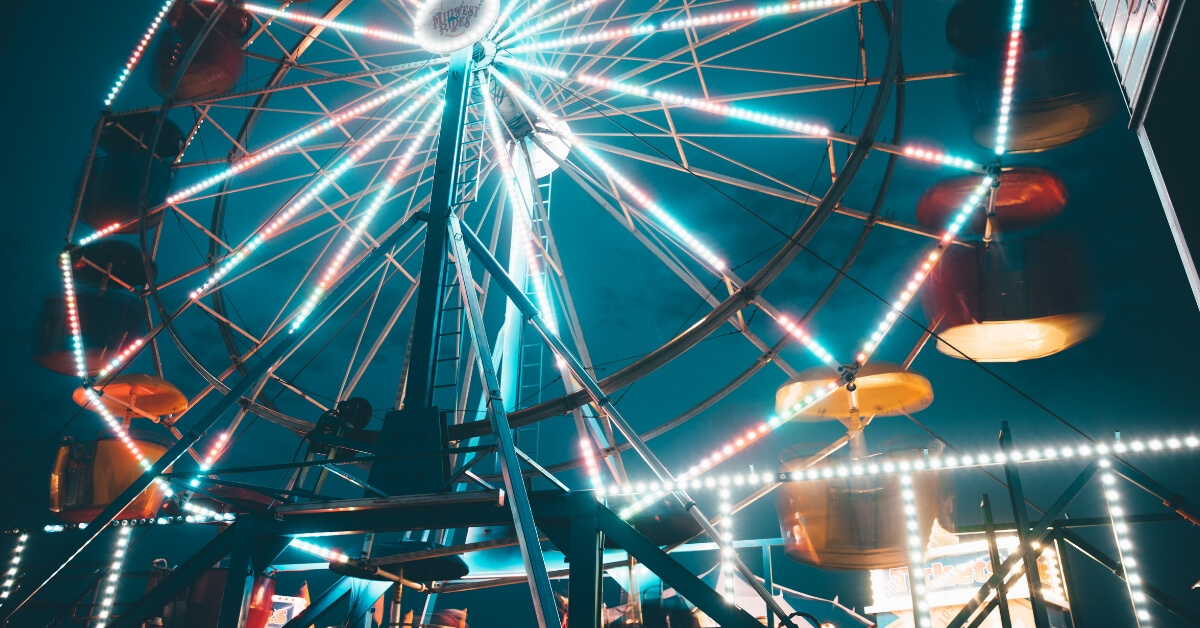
pixel 1135 376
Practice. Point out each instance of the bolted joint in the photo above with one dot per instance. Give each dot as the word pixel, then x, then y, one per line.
pixel 993 171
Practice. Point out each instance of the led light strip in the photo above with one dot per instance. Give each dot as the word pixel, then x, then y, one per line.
pixel 916 555
pixel 200 514
pixel 709 19
pixel 136 55
pixel 328 123
pixel 114 576
pixel 720 108
pixel 983 459
pixel 524 211
pixel 542 24
pixel 968 206
pixel 10 576
pixel 316 550
pixel 369 31
pixel 918 277
pixel 175 520
pixel 300 203
pixel 64 262
pixel 352 238
pixel 73 325
pixel 1010 76
pixel 690 478
pixel 99 234
pixel 625 184
pixel 120 359
pixel 1133 576
pixel 728 564
pixel 213 454
pixel 699 104
pixel 938 157
pixel 533 7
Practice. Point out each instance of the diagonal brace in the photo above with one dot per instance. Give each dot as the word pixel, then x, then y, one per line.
pixel 531 550
pixel 605 403
pixel 1036 537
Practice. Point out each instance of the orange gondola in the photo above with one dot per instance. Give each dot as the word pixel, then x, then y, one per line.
pixel 88 476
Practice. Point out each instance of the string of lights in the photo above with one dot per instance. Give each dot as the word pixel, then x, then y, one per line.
pixel 136 55
pixel 1152 446
pixel 324 181
pixel 525 15
pixel 10 575
pixel 552 19
pixel 916 555
pixel 296 137
pixel 94 401
pixel 120 358
pixel 969 205
pixel 114 577
pixel 1133 576
pixel 699 104
pixel 332 556
pixel 369 31
pixel 354 236
pixel 706 19
pixel 728 564
pixel 99 234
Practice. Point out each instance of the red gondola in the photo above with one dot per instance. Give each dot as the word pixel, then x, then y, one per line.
pixel 1010 301
pixel 1027 198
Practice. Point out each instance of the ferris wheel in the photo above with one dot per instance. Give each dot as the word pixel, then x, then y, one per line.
pixel 304 226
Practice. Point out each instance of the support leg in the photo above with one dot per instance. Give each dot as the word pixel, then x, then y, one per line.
pixel 585 579
pixel 1017 494
pixel 989 528
pixel 239 581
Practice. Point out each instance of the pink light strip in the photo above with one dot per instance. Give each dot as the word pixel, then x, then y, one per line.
pixel 708 19
pixel 249 161
pixel 136 55
pixel 351 238
pixel 309 195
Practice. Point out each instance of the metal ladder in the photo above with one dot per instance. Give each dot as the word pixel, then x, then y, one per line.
pixel 533 376
pixel 466 188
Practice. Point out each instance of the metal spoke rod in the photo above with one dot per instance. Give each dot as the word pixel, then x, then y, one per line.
pixel 605 403
pixel 531 550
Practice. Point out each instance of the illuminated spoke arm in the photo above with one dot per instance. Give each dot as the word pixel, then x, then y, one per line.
pixel 719 106
pixel 369 31
pixel 546 22
pixel 331 271
pixel 705 19
pixel 293 140
pixel 290 210
pixel 968 207
pixel 137 53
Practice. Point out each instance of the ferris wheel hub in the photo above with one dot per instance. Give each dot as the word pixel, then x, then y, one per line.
pixel 444 26
pixel 484 53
